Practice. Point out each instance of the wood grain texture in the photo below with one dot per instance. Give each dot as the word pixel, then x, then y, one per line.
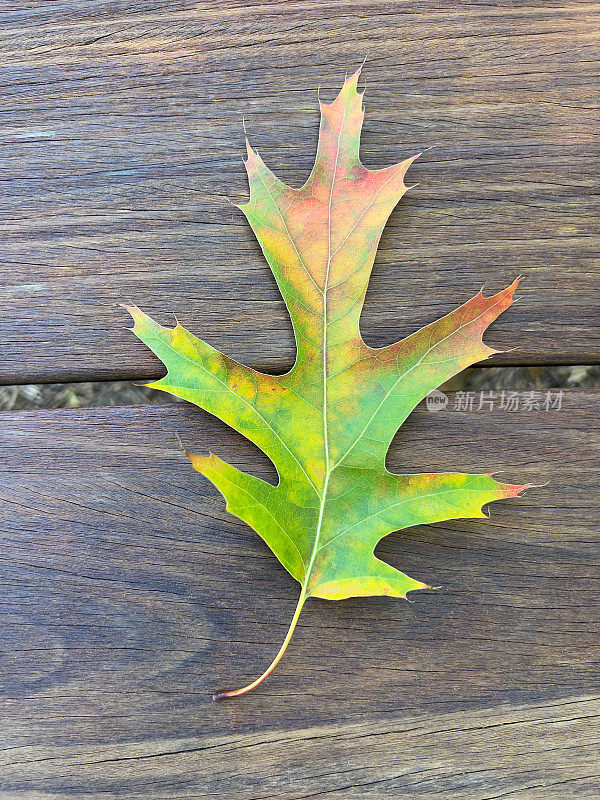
pixel 122 142
pixel 128 595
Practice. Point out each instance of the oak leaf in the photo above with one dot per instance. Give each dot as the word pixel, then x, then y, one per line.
pixel 327 423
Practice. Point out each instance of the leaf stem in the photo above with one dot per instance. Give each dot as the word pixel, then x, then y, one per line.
pixel 227 693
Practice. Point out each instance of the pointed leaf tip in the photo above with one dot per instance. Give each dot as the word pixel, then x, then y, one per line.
pixel 352 80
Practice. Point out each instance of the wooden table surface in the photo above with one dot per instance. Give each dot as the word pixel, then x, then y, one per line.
pixel 128 594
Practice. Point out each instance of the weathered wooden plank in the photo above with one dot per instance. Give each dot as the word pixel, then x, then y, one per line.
pixel 542 751
pixel 128 595
pixel 122 141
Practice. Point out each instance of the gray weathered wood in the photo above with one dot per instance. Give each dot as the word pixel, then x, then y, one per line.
pixel 122 139
pixel 128 595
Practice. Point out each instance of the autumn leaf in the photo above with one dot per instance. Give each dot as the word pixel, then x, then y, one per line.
pixel 327 423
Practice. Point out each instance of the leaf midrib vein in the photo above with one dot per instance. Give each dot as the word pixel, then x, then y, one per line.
pixel 324 354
